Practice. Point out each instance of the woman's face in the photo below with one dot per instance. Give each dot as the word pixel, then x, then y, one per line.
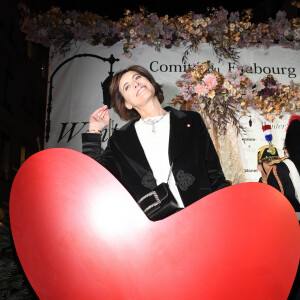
pixel 136 89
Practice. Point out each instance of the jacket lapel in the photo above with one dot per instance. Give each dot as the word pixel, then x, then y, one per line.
pixel 180 132
pixel 131 147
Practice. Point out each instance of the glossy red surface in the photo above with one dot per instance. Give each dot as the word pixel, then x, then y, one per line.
pixel 80 235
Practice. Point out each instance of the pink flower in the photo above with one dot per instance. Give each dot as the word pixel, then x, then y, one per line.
pixel 201 89
pixel 210 80
pixel 127 54
pixel 249 95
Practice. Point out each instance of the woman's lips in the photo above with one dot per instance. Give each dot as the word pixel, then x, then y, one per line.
pixel 140 90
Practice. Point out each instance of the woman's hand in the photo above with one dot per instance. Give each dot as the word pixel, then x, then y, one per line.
pixel 99 119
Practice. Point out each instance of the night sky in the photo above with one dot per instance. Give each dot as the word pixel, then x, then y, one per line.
pixel 263 9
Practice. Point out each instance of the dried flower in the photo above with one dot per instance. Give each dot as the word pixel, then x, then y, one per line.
pixel 218 98
pixel 203 90
pixel 225 32
pixel 210 81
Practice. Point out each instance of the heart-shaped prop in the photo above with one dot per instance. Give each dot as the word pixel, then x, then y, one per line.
pixel 80 235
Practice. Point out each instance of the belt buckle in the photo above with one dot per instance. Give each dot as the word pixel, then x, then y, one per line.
pixel 157 200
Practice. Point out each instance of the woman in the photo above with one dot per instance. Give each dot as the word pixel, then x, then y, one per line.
pixel 157 144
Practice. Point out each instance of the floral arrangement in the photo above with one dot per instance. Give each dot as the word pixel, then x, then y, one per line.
pixel 267 97
pixel 219 98
pixel 273 98
pixel 225 31
pixel 203 90
pixel 240 87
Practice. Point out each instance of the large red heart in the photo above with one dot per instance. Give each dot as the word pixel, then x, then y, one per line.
pixel 80 235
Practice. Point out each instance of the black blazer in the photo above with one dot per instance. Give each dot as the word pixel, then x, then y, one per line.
pixel 283 173
pixel 196 167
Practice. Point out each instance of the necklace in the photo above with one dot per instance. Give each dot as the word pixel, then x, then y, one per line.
pixel 153 122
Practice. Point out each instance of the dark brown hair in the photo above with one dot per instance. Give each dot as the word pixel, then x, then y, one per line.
pixel 118 101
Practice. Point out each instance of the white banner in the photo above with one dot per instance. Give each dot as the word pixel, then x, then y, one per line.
pixel 75 90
